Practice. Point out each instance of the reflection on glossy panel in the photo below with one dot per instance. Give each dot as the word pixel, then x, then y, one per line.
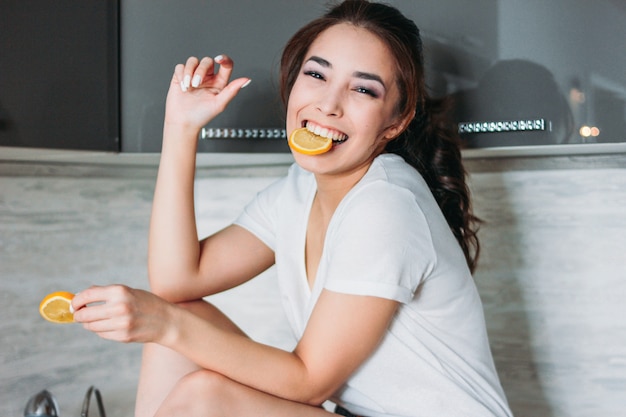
pixel 500 60
pixel 558 60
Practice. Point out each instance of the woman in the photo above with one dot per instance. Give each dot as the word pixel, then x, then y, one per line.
pixel 374 271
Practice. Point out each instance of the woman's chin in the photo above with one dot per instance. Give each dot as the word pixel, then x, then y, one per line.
pixel 313 163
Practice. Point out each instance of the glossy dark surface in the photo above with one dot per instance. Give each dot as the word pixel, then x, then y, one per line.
pixel 59 85
pixel 503 62
pixel 561 61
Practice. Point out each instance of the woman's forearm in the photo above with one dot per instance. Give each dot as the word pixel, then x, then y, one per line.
pixel 322 361
pixel 262 367
pixel 173 249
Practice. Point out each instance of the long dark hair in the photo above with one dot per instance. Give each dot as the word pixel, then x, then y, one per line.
pixel 429 143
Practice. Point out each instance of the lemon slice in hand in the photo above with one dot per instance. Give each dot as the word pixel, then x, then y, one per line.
pixel 308 143
pixel 55 307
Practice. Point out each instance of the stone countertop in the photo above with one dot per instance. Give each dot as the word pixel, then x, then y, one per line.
pixel 24 161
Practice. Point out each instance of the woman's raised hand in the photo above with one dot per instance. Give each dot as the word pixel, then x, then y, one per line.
pixel 198 92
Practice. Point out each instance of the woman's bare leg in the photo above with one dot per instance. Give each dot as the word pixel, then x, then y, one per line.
pixel 208 394
pixel 162 368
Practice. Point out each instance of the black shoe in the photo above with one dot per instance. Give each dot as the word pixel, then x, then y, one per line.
pixel 42 404
pixel 85 410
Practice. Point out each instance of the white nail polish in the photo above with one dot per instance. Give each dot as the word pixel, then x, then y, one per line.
pixel 71 307
pixel 196 81
pixel 218 58
pixel 247 83
pixel 187 81
pixel 182 86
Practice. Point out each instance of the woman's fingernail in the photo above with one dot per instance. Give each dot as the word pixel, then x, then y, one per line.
pixel 187 80
pixel 247 83
pixel 182 86
pixel 196 81
pixel 218 58
pixel 71 306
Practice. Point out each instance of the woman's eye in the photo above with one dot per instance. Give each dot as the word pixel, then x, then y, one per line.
pixel 367 91
pixel 314 74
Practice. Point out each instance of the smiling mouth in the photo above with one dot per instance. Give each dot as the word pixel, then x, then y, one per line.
pixel 336 136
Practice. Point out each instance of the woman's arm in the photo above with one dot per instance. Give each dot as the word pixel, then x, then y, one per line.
pixel 343 331
pixel 181 268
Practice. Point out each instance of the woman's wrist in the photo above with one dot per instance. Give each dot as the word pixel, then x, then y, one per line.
pixel 179 141
pixel 171 322
pixel 180 131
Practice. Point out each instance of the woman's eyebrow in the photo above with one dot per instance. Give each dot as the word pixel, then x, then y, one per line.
pixel 369 76
pixel 320 61
pixel 357 74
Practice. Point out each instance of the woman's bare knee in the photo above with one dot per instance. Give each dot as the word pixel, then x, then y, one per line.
pixel 201 393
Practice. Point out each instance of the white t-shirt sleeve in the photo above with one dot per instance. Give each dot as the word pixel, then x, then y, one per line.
pixel 259 215
pixel 379 244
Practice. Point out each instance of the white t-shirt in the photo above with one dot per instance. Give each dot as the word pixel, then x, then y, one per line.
pixel 388 238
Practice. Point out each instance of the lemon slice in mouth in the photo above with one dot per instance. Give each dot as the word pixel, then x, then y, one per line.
pixel 308 143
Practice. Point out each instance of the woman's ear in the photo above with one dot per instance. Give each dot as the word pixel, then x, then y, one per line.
pixel 397 128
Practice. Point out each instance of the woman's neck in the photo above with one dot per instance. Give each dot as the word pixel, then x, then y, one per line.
pixel 332 188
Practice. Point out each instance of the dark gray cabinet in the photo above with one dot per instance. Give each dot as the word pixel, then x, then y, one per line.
pixel 521 73
pixel 59 74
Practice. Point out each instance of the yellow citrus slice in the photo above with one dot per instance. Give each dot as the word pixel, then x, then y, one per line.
pixel 308 143
pixel 55 307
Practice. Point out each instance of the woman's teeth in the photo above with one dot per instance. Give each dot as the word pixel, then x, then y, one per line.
pixel 337 137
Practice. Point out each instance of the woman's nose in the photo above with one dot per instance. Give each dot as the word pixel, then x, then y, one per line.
pixel 330 102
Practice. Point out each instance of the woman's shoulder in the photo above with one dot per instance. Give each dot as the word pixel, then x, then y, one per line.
pixel 386 191
pixel 390 179
pixel 394 170
pixel 394 191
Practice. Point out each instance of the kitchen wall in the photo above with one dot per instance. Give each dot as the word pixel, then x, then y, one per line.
pixel 553 279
